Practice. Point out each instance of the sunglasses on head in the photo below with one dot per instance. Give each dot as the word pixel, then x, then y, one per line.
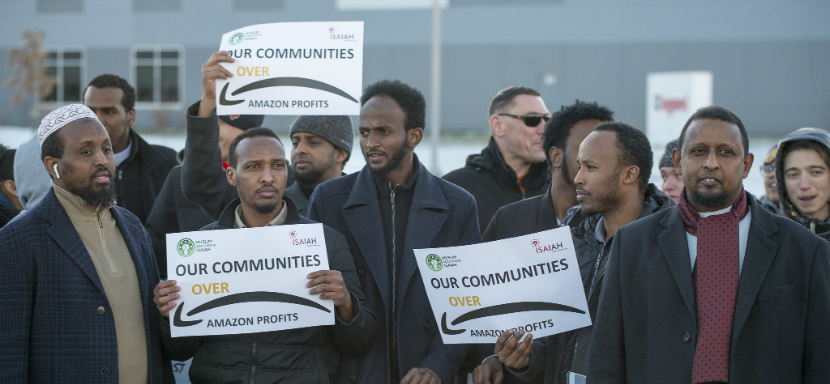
pixel 531 119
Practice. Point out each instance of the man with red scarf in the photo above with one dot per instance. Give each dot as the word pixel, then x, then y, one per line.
pixel 718 290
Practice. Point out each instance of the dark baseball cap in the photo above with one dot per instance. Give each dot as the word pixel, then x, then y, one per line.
pixel 243 122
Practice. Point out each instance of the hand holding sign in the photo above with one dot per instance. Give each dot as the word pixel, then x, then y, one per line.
pixel 212 70
pixel 490 371
pixel 421 375
pixel 165 295
pixel 513 353
pixel 331 286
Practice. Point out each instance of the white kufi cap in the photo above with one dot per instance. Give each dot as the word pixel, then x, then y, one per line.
pixel 60 117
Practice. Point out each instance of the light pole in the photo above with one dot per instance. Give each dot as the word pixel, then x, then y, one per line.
pixel 436 85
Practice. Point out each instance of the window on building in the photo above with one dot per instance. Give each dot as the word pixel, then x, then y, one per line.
pixel 66 65
pixel 156 5
pixel 60 6
pixel 254 5
pixel 157 74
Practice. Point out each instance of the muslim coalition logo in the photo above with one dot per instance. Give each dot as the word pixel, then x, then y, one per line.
pixel 185 247
pixel 236 38
pixel 434 262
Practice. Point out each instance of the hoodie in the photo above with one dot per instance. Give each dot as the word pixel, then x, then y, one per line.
pixel 819 227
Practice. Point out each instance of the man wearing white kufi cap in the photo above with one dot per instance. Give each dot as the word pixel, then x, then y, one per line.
pixel 77 273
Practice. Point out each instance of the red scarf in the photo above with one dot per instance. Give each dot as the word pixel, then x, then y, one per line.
pixel 715 279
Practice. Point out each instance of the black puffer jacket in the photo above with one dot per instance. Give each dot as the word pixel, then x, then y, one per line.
pixel 494 184
pixel 295 356
pixel 550 361
pixel 139 178
pixel 819 227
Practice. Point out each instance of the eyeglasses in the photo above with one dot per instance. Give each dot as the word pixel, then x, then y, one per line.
pixel 531 119
pixel 767 168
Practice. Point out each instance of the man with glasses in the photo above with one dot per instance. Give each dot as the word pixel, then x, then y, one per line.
pixel 770 200
pixel 512 167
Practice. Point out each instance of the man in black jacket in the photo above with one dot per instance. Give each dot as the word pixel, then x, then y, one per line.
pixel 173 212
pixel 386 210
pixel 141 168
pixel 718 289
pixel 513 166
pixel 258 170
pixel 613 191
pixel 321 146
pixel 558 207
pixel 615 164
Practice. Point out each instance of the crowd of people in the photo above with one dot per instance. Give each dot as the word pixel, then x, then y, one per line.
pixel 695 280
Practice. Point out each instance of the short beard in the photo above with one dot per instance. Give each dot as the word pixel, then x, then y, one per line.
pixel 98 198
pixel 309 177
pixel 607 202
pixel 265 208
pixel 715 200
pixel 314 176
pixel 394 162
pixel 565 173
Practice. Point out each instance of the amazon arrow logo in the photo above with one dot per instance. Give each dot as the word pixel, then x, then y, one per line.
pixel 281 82
pixel 247 297
pixel 503 309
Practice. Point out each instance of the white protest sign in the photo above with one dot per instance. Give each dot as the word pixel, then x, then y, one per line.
pixel 247 280
pixel 530 282
pixel 313 68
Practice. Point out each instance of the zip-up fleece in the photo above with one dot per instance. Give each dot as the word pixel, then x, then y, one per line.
pixel 114 264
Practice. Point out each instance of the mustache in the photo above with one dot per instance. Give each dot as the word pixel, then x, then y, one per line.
pixel 98 170
pixel 267 188
pixel 710 177
pixel 375 152
pixel 582 191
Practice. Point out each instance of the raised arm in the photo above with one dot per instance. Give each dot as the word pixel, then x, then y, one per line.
pixel 203 179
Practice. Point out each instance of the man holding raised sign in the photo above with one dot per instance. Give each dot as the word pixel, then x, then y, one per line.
pixel 258 170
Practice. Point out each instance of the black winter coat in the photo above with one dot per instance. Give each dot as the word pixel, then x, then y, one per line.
pixel 550 361
pixel 494 184
pixel 294 356
pixel 440 215
pixel 172 213
pixel 139 178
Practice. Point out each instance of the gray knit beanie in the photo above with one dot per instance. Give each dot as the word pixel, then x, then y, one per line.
pixel 666 161
pixel 337 130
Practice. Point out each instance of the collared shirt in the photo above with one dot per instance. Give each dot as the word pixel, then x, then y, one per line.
pixel 743 235
pixel 279 220
pixel 571 213
pixel 123 155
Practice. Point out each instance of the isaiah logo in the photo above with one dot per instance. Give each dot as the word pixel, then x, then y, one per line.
pixel 236 38
pixel 185 247
pixel 434 262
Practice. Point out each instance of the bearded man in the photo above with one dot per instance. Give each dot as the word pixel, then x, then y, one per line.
pixel 77 272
